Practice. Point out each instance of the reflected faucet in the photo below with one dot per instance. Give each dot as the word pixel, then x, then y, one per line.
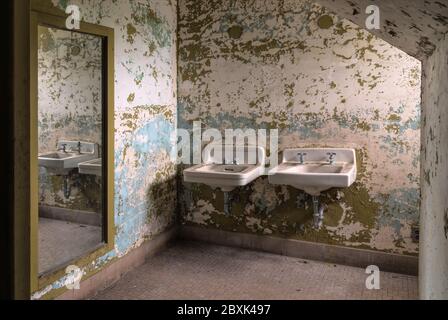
pixel 301 156
pixel 331 157
pixel 63 148
pixel 79 148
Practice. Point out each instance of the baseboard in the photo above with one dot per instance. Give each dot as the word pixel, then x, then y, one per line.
pixel 306 250
pixel 116 270
pixel 75 216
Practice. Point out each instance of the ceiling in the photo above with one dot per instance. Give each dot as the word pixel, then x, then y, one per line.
pixel 414 26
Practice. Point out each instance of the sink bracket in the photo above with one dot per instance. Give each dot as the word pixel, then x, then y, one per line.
pixel 67 187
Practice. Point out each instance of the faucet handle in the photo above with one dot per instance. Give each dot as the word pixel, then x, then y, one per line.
pixel 301 155
pixel 63 147
pixel 331 156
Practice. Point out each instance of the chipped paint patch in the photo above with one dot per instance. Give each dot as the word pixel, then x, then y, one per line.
pixel 325 22
pixel 322 83
pixel 145 120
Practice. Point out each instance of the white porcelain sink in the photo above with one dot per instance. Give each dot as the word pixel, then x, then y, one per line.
pixel 227 177
pixel 312 171
pixel 92 167
pixel 69 155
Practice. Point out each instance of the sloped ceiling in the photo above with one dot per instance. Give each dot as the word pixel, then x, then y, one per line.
pixel 414 26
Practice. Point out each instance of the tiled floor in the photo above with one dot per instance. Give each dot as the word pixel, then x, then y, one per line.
pixel 61 241
pixel 192 270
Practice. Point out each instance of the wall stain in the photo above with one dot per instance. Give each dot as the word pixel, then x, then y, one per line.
pixel 145 116
pixel 325 22
pixel 288 71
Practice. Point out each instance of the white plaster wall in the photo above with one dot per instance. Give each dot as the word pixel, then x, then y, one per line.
pixel 434 206
pixel 339 86
pixel 411 25
pixel 145 120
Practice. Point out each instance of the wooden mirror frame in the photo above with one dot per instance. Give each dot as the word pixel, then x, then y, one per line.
pixel 107 35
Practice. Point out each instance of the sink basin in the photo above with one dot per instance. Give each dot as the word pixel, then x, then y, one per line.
pixel 56 156
pixel 316 174
pixel 92 167
pixel 60 162
pixel 227 176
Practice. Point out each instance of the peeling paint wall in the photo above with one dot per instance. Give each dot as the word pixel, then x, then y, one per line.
pixel 70 108
pixel 322 81
pixel 434 220
pixel 145 118
pixel 414 26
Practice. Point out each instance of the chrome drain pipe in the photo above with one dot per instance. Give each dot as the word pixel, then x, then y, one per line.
pixel 318 213
pixel 227 203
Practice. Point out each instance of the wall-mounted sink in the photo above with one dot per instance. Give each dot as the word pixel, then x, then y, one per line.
pixel 316 170
pixel 68 156
pixel 92 167
pixel 227 177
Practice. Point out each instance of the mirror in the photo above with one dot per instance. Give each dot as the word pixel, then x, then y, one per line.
pixel 71 123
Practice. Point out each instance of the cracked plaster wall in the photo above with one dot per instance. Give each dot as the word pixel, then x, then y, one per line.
pixel 145 118
pixel 323 81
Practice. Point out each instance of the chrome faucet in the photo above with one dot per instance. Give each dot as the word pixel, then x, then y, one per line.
pixel 235 162
pixel 301 156
pixel 79 148
pixel 331 157
pixel 63 148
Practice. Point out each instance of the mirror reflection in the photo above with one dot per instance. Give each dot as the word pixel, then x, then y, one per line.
pixel 70 126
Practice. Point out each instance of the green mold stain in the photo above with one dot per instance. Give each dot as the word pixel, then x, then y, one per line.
pixel 335 214
pixel 289 89
pixel 394 117
pixel 152 47
pixel 364 126
pixel 340 29
pixel 325 22
pixel 139 78
pixel 194 52
pixel 162 193
pixel 159 27
pixel 235 32
pixel 365 210
pixel 393 128
pixel 85 194
pixel 131 97
pixel 131 32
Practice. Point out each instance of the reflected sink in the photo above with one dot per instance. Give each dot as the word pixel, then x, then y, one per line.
pixel 316 174
pixel 92 167
pixel 57 155
pixel 228 176
pixel 62 162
